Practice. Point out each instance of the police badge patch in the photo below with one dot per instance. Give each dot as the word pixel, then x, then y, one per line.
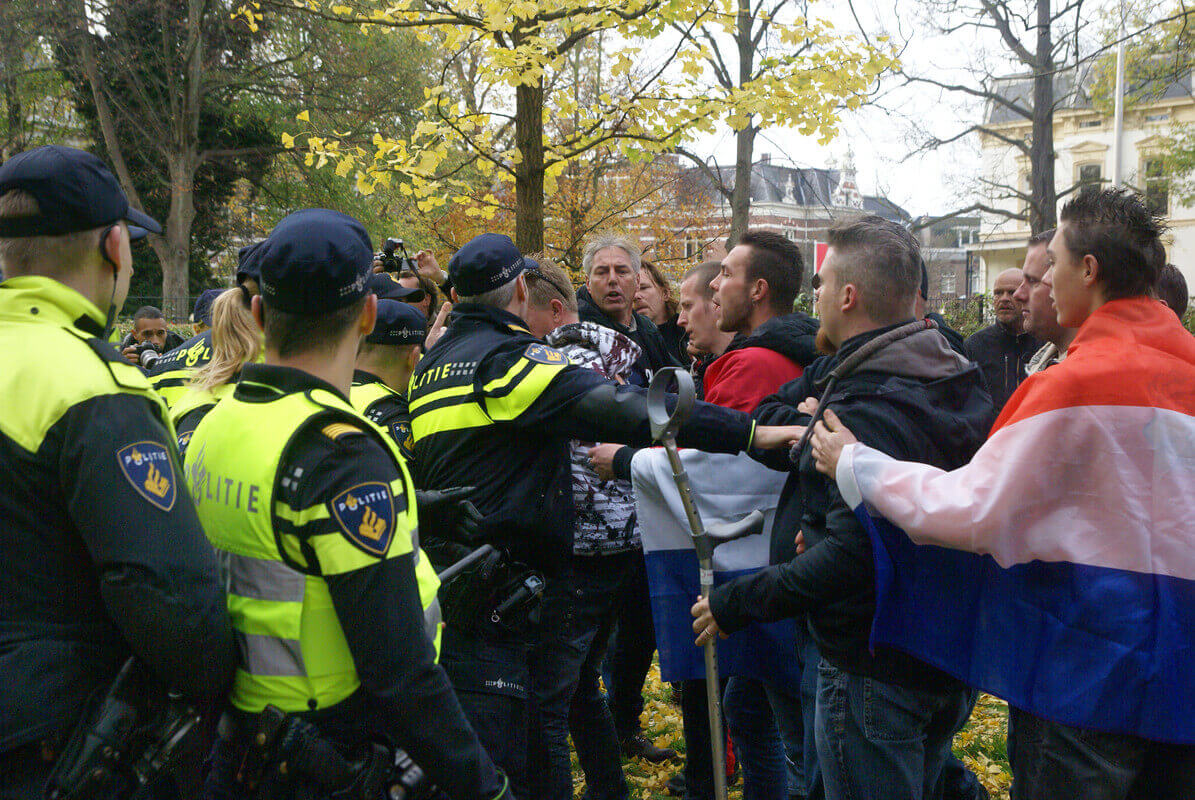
pixel 542 354
pixel 365 514
pixel 147 466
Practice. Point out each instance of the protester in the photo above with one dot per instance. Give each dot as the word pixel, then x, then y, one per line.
pixel 612 264
pixel 1004 348
pixel 1171 289
pixel 654 300
pixel 327 589
pixel 1041 317
pixel 579 614
pixel 149 325
pixel 236 341
pixel 1079 618
pixel 489 401
pixel 884 721
pixel 104 555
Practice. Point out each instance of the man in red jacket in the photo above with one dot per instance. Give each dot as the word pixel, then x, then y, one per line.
pixel 754 295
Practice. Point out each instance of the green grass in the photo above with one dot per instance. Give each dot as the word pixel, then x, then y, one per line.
pixel 980 744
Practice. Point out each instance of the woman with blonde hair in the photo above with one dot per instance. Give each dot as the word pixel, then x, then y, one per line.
pixel 236 341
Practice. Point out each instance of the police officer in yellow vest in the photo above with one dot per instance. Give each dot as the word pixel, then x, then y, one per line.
pixel 494 407
pixel 170 374
pixel 313 516
pixel 104 556
pixel 384 365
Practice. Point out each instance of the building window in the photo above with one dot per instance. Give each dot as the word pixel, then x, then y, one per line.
pixel 1157 188
pixel 1157 117
pixel 692 248
pixel 1090 174
pixel 1091 123
pixel 946 284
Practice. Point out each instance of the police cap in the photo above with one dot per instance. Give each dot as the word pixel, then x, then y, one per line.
pixel 398 324
pixel 485 263
pixel 247 266
pixel 315 261
pixel 386 286
pixel 75 191
pixel 203 306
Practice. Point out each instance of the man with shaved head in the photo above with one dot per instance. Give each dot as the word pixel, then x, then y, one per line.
pixel 1004 349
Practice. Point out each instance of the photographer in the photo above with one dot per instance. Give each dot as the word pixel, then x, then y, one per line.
pixel 149 338
pixel 104 553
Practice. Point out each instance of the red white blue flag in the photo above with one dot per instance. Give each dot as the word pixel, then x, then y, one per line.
pixel 1057 569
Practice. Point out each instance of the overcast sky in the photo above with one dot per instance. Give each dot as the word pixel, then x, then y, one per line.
pixel 882 136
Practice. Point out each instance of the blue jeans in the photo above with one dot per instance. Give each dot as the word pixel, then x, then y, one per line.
pixel 631 649
pixel 576 619
pixel 880 741
pixel 1053 760
pixel 757 739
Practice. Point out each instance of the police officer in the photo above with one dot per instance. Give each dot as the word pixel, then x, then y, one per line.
pixel 104 556
pixel 170 374
pixel 494 407
pixel 313 515
pixel 384 366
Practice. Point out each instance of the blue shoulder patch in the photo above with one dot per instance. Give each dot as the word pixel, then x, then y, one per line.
pixel 184 439
pixel 147 466
pixel 365 514
pixel 542 354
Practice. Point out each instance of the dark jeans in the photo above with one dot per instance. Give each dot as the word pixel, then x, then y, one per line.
pixel 631 650
pixel 877 740
pixel 575 625
pixel 1052 760
pixel 23 774
pixel 758 746
pixel 698 771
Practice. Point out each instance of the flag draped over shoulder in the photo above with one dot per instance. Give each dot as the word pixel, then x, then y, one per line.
pixel 1081 608
pixel 725 488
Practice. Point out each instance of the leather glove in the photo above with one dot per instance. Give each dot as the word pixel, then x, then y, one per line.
pixel 446 514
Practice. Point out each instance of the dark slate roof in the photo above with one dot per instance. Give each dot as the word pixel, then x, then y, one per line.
pixel 1070 92
pixel 811 187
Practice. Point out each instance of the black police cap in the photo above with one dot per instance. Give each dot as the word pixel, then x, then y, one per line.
pixel 485 263
pixel 386 286
pixel 247 266
pixel 315 261
pixel 203 306
pixel 75 191
pixel 398 323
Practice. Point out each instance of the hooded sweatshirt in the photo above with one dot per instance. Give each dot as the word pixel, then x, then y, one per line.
pixel 916 397
pixel 606 521
pixel 759 363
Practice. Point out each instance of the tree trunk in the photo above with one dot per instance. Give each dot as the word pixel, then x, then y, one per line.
pixel 1042 212
pixel 529 172
pixel 744 150
pixel 175 257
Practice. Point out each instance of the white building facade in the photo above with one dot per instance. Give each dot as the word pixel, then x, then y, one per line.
pixel 1083 145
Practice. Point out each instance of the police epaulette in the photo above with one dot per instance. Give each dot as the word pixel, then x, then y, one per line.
pixel 337 430
pixel 105 350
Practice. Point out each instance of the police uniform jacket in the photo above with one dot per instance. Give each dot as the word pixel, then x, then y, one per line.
pixel 170 373
pixel 494 407
pixel 103 553
pixel 314 521
pixel 385 408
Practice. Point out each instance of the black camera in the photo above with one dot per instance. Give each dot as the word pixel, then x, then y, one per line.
pixel 395 263
pixel 147 354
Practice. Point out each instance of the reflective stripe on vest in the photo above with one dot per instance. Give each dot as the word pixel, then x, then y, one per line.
pixel 460 407
pixel 293 652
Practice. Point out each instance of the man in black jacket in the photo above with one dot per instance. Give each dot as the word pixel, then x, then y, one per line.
pixel 1003 349
pixel 884 720
pixel 612 263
